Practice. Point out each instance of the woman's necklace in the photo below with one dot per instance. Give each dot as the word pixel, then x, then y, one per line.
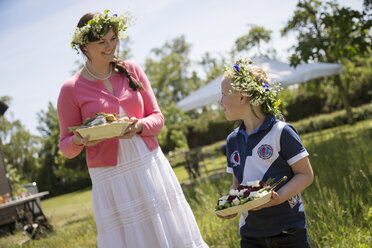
pixel 99 78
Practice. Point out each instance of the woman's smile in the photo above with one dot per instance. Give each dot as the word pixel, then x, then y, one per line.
pixel 103 49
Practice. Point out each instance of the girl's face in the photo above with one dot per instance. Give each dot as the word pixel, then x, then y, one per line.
pixel 230 101
pixel 103 49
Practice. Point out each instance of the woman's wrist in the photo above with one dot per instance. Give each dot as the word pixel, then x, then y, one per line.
pixel 139 127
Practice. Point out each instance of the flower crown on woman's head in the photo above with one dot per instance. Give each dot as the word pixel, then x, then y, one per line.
pixel 256 87
pixel 99 26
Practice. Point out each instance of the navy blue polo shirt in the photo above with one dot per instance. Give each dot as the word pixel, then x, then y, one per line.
pixel 268 152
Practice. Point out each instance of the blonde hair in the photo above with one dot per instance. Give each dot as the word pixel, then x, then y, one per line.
pixel 257 72
pixel 253 81
pixel 254 71
pixel 260 75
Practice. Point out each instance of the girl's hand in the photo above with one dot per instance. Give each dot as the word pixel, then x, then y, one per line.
pixel 133 129
pixel 275 200
pixel 78 140
pixel 303 177
pixel 227 216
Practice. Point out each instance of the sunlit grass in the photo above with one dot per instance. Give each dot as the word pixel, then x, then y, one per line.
pixel 338 204
pixel 63 208
pixel 208 167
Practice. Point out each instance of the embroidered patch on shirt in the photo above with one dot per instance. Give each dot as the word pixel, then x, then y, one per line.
pixel 294 200
pixel 265 151
pixel 235 159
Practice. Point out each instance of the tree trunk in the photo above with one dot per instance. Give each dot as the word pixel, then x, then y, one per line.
pixel 345 99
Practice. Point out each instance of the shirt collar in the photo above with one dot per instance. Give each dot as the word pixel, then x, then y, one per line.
pixel 269 119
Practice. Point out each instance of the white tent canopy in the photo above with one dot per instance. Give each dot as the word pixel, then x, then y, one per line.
pixel 277 71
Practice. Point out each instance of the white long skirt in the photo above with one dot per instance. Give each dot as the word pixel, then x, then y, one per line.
pixel 140 203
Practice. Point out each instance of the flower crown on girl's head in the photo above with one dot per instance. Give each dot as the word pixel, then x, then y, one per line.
pixel 256 88
pixel 99 26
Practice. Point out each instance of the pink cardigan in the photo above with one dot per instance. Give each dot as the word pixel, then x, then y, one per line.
pixel 80 98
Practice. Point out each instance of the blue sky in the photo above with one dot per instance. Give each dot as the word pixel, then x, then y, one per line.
pixel 36 56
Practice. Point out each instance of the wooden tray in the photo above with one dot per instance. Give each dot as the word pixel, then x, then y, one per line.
pixel 251 204
pixel 244 207
pixel 108 130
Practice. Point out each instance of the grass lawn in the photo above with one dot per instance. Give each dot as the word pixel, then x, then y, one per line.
pixel 338 204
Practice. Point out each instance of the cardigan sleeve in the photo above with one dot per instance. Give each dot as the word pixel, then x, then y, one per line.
pixel 68 115
pixel 153 120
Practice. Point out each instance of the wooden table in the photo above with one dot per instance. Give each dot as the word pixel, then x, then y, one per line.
pixel 21 210
pixel 29 198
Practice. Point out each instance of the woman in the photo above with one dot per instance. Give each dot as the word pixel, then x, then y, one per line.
pixel 137 200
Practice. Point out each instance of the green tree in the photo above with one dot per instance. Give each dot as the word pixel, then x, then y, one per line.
pixel 172 78
pixel 169 71
pixel 327 32
pixel 255 37
pixel 49 129
pixel 19 149
pixel 367 4
pixel 358 75
pixel 173 134
pixel 57 173
pixel 213 67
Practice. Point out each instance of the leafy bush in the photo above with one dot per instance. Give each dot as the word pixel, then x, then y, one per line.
pixel 334 119
pixel 216 131
pixel 303 106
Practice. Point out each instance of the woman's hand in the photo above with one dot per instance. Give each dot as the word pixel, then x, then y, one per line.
pixel 303 177
pixel 133 129
pixel 79 140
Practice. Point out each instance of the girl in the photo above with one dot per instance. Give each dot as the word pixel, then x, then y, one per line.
pixel 264 147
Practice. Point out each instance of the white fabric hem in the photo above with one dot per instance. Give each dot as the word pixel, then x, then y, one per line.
pixel 297 157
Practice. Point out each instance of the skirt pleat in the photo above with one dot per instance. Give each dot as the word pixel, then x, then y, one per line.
pixel 140 203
